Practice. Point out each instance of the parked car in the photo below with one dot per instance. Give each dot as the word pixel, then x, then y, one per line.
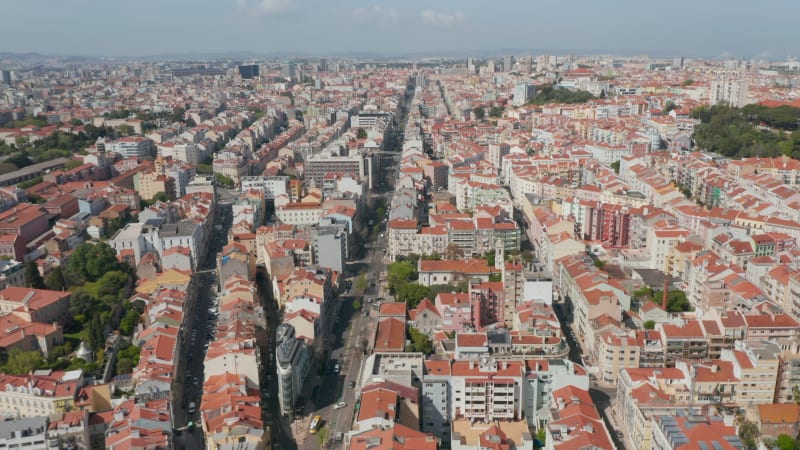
pixel 340 405
pixel 339 436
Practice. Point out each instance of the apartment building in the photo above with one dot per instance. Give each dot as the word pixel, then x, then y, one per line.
pixel 694 431
pixel 293 359
pixel 40 393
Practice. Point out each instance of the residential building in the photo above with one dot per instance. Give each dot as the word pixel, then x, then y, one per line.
pixel 293 359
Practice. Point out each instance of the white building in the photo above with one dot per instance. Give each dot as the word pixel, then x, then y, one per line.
pixel 130 147
pixel 271 186
pixel 728 92
pixel 523 92
pixel 182 151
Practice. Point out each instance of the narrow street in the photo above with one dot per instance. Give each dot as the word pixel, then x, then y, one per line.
pixel 196 335
pixel 602 395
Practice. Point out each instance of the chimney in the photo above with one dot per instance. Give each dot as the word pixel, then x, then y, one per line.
pixel 664 297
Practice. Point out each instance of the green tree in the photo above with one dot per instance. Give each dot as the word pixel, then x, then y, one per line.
pixel 541 437
pixel 480 113
pixel 127 359
pixel 361 282
pixel 20 160
pixel 668 106
pixel 412 294
pixel 496 112
pixel 36 199
pixel 32 276
pixel 490 258
pixel 30 183
pixel 21 362
pixel 615 166
pixel 361 133
pixel 81 305
pixel 460 287
pixel 95 332
pixel 676 300
pixel 748 433
pixel 160 197
pixel 224 180
pixel 552 94
pixel 125 129
pixel 124 366
pixel 128 323
pixel 733 132
pixel 420 342
pixel 786 442
pixel 399 273
pixel 89 262
pixel 55 280
pixel 649 325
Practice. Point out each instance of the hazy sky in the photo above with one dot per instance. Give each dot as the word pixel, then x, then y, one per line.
pixel 713 28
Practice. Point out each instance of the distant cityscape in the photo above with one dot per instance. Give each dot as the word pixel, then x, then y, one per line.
pixel 527 251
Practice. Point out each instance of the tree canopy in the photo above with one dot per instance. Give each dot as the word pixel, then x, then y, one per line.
pixel 676 300
pixel 735 132
pixel 496 112
pixel 551 94
pixel 89 262
pixel 32 276
pixel 21 362
pixel 420 342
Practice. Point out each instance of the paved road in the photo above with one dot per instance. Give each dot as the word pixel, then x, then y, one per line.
pixel 602 395
pixel 349 343
pixel 196 335
pixel 280 427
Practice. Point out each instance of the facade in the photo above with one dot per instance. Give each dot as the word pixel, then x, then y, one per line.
pixel 248 71
pixel 330 248
pixel 12 273
pixel 27 433
pixel 39 394
pixel 130 147
pixel 293 359
pixel 523 92
pixel 729 92
pixel 339 162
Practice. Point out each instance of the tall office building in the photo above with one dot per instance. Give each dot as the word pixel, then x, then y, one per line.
pixel 288 70
pixel 523 92
pixel 508 63
pixel 323 65
pixel 6 76
pixel 248 71
pixel 471 64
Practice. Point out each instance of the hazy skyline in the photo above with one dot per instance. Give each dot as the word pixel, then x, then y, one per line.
pixel 708 28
